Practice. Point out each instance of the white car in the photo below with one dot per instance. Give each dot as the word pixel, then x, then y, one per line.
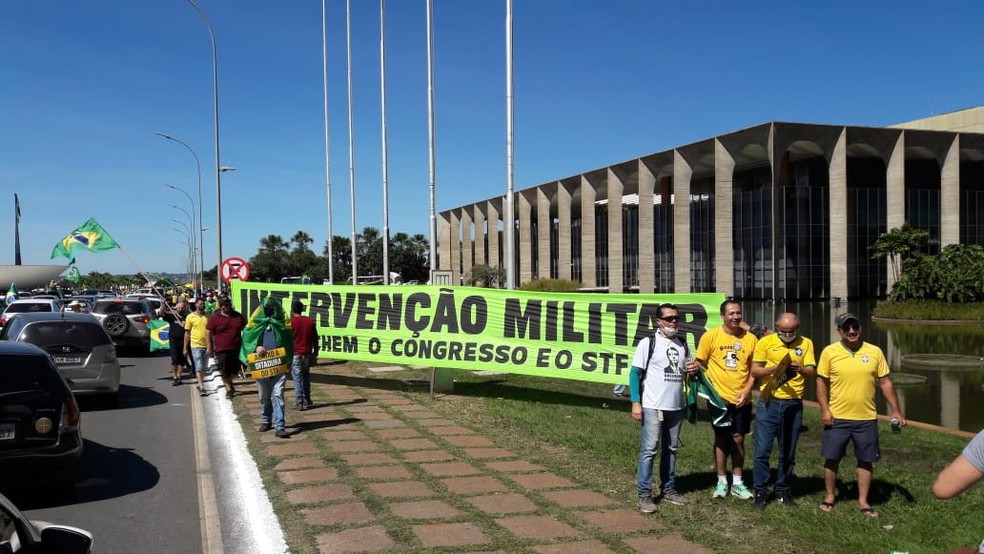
pixel 30 305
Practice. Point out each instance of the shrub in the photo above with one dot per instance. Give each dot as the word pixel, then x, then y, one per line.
pixel 551 285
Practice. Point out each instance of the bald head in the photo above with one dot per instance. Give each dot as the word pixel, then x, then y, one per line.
pixel 787 322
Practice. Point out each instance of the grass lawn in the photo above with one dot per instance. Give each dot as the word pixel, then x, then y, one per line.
pixel 579 430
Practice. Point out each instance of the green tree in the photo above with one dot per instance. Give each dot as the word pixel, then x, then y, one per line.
pixel 485 276
pixel 409 256
pixel 301 260
pixel 342 258
pixel 901 246
pixel 271 261
pixel 957 273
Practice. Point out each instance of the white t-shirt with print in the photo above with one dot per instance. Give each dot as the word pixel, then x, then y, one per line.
pixel 662 388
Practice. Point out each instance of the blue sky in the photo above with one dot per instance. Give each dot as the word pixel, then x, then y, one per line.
pixel 85 85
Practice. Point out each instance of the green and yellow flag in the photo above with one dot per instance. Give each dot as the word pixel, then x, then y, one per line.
pixel 159 339
pixel 89 236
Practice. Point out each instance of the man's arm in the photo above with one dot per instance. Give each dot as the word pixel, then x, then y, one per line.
pixel 956 478
pixel 888 390
pixel 823 398
pixel 208 341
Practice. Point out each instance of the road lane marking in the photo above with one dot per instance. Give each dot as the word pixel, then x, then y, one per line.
pixel 207 507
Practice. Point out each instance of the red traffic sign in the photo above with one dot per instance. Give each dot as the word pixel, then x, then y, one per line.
pixel 234 268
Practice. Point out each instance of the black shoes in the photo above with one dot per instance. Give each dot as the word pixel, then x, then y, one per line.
pixel 264 427
pixel 281 433
pixel 786 499
pixel 761 499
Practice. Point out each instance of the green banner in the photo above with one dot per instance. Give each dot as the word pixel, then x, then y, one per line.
pixel 588 337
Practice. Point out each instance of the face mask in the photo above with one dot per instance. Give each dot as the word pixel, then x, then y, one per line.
pixel 669 332
pixel 788 337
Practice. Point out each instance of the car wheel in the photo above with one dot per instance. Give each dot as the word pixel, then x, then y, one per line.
pixel 116 325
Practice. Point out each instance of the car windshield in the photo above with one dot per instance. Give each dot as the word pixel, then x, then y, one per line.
pixel 19 308
pixel 79 333
pixel 23 373
pixel 125 308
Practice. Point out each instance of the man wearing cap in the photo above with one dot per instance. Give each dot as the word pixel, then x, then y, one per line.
pixel 305 348
pixel 225 329
pixel 726 353
pixel 847 373
pixel 782 363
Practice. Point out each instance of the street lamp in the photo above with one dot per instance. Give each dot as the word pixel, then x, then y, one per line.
pixel 201 244
pixel 201 221
pixel 218 168
pixel 189 237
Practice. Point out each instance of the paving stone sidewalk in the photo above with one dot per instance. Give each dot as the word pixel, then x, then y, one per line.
pixel 371 470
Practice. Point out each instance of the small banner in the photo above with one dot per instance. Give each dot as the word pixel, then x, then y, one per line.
pixel 159 339
pixel 581 336
pixel 268 364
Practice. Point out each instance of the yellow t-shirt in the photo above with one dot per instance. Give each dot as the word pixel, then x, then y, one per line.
pixel 195 326
pixel 852 376
pixel 770 350
pixel 728 360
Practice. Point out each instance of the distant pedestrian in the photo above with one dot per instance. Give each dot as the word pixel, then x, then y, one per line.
pixel 847 374
pixel 783 361
pixel 195 342
pixel 305 352
pixel 175 317
pixel 269 330
pixel 225 339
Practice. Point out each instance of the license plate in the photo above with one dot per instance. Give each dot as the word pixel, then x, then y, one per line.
pixel 66 360
pixel 7 431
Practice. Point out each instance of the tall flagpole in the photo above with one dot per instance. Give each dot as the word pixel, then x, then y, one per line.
pixel 348 56
pixel 432 224
pixel 510 162
pixel 324 81
pixel 382 95
pixel 17 252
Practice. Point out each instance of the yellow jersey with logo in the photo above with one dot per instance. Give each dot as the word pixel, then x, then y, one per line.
pixel 729 359
pixel 195 325
pixel 852 376
pixel 770 350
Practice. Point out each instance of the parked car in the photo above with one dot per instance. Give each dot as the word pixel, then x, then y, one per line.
pixel 40 436
pixel 27 305
pixel 23 536
pixel 125 320
pixel 78 345
pixel 155 302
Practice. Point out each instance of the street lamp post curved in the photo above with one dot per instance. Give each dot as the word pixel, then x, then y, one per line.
pixel 218 167
pixel 201 221
pixel 201 244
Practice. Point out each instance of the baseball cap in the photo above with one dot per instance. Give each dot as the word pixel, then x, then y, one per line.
pixel 844 318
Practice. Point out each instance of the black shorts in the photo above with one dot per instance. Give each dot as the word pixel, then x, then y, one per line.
pixel 864 435
pixel 177 355
pixel 228 362
pixel 741 420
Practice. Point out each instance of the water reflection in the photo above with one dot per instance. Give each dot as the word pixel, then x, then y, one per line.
pixel 952 394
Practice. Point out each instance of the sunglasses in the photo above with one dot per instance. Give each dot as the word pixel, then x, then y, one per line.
pixel 851 327
pixel 671 318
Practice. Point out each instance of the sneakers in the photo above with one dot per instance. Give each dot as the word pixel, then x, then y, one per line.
pixel 281 433
pixel 741 491
pixel 263 428
pixel 646 504
pixel 761 499
pixel 786 499
pixel 230 393
pixel 673 497
pixel 720 491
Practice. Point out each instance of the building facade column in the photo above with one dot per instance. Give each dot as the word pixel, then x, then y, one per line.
pixel 950 196
pixel 724 247
pixel 647 244
pixel 492 222
pixel 895 196
pixel 466 242
pixel 480 234
pixel 444 241
pixel 616 240
pixel 838 217
pixel 682 174
pixel 543 231
pixel 456 246
pixel 524 214
pixel 564 261
pixel 588 194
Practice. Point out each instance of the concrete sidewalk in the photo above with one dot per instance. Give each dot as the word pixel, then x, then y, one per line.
pixel 371 470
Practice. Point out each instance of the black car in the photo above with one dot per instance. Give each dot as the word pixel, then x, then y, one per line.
pixel 40 422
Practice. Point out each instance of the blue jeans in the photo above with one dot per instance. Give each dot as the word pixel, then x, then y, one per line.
pixel 271 391
pixel 201 361
pixel 781 421
pixel 300 369
pixel 656 433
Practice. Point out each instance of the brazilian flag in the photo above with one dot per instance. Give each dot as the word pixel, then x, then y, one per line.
pixel 89 236
pixel 158 334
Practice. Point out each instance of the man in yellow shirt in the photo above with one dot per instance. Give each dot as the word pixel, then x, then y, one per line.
pixel 726 353
pixel 194 342
pixel 782 363
pixel 846 377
